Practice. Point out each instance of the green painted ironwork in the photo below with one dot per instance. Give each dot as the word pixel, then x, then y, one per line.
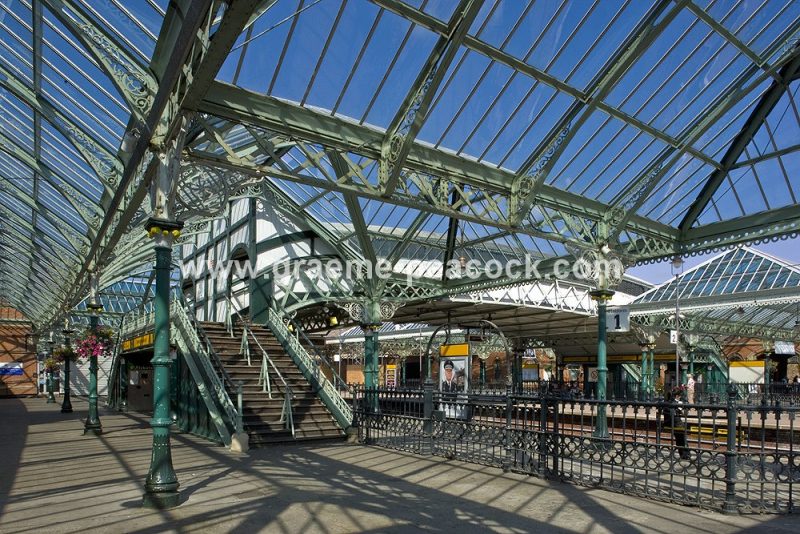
pixel 66 404
pixel 161 485
pixel 339 408
pixel 92 424
pixel 601 296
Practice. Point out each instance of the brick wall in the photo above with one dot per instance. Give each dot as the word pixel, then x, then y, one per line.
pixel 13 331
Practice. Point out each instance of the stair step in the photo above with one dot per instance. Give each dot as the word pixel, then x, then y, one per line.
pixel 312 419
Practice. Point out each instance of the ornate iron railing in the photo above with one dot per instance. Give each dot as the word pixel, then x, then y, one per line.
pixel 198 358
pixel 310 368
pixel 338 381
pixel 725 457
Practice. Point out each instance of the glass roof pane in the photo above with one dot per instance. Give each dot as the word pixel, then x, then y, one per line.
pixel 75 83
pixel 440 10
pixel 681 73
pixel 64 159
pixel 16 36
pixel 716 139
pixel 133 24
pixel 677 190
pixel 604 156
pixel 16 120
pixel 781 129
pixel 755 23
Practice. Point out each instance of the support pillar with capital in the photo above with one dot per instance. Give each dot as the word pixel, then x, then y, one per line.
pixel 51 398
pixel 601 296
pixel 161 485
pixel 92 424
pixel 371 323
pixel 66 404
pixel 645 386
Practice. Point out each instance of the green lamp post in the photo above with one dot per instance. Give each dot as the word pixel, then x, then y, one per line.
pixel 161 485
pixel 601 296
pixel 66 404
pixel 92 424
pixel 51 398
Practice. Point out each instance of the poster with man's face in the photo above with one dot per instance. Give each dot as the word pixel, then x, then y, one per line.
pixel 453 374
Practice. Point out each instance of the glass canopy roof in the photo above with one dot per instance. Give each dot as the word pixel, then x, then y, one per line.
pixel 417 131
pixel 742 286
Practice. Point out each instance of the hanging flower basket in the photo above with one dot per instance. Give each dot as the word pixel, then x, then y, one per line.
pixel 51 365
pixel 99 343
pixel 62 354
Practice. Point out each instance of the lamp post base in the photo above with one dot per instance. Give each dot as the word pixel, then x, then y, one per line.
pixel 161 500
pixel 92 428
pixel 66 406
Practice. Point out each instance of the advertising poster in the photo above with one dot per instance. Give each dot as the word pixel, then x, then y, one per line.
pixel 454 384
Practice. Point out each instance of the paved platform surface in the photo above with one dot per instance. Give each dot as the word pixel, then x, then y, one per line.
pixel 54 479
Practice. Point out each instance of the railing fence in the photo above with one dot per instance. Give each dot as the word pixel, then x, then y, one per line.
pixel 725 457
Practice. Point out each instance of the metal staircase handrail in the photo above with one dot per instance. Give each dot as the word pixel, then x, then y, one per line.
pixel 193 345
pixel 288 394
pixel 339 382
pixel 209 348
pixel 338 407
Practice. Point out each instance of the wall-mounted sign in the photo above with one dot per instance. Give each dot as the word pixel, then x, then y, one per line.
pixel 454 349
pixel 391 375
pixel 784 347
pixel 747 372
pixel 618 319
pixel 11 369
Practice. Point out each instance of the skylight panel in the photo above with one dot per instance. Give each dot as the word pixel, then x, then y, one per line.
pixel 756 24
pixel 396 82
pixel 343 54
pixel 539 109
pixel 135 24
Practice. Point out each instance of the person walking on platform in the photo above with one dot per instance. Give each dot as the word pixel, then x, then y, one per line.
pixel 673 420
pixel 690 388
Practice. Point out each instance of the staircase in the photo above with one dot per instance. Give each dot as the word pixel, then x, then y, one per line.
pixel 261 415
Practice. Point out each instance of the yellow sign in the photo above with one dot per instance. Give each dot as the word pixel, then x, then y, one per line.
pixel 391 366
pixel 456 349
pixel 751 363
pixel 138 342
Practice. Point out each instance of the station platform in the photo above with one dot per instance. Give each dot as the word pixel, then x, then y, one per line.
pixel 55 479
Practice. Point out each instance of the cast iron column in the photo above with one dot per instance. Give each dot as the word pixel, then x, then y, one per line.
pixel 643 385
pixel 652 380
pixel 161 486
pixel 601 296
pixel 371 365
pixel 51 399
pixel 372 321
pixel 92 423
pixel 66 404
